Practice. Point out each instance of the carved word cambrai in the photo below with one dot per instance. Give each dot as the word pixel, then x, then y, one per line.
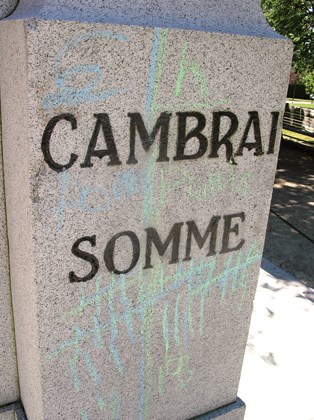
pixel 162 126
pixel 137 128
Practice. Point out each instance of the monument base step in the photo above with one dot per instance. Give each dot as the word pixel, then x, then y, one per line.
pixel 13 411
pixel 233 411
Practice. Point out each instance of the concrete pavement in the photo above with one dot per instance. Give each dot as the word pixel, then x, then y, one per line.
pixel 277 379
pixel 290 233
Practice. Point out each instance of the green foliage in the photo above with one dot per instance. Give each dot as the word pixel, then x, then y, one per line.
pixel 294 19
pixel 307 78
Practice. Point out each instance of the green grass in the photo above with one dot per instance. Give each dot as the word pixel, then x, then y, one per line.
pixel 303 103
pixel 297 136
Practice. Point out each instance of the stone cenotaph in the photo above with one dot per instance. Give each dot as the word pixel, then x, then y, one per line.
pixel 140 144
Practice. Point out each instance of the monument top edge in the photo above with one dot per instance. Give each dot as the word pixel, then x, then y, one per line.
pixel 241 17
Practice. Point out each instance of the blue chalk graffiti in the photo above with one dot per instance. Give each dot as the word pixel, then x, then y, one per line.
pixel 67 94
pixel 126 185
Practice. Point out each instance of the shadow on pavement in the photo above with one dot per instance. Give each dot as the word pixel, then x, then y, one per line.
pixel 290 232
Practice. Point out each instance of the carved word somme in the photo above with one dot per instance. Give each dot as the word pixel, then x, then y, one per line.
pixel 229 243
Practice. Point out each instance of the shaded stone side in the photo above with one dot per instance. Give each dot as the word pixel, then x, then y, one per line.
pixel 14 105
pixel 9 390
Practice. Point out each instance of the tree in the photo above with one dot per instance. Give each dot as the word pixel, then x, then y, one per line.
pixel 307 78
pixel 295 20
